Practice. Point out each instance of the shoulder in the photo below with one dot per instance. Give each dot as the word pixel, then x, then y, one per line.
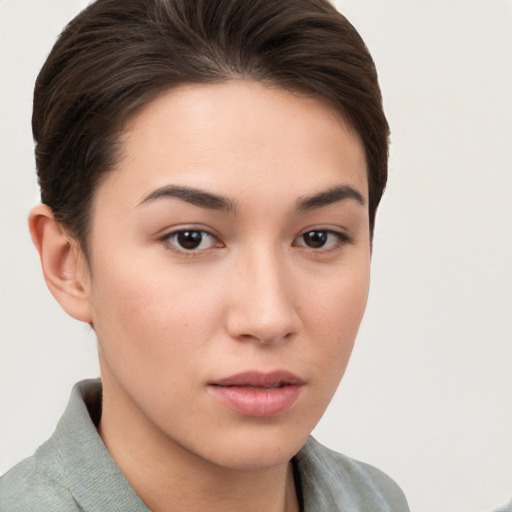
pixel 42 482
pixel 72 471
pixel 331 481
pixel 29 487
pixel 506 507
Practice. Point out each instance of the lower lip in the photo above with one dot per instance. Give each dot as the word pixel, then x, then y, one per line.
pixel 257 402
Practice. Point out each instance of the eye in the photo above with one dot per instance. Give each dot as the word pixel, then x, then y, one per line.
pixel 191 240
pixel 322 239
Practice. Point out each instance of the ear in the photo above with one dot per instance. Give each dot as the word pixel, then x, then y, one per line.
pixel 64 266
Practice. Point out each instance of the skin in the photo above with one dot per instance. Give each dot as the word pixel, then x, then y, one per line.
pixel 254 295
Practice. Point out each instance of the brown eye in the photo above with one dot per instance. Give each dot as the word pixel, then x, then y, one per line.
pixel 325 239
pixel 315 239
pixel 191 240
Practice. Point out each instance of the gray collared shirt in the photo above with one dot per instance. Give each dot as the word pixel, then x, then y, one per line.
pixel 73 471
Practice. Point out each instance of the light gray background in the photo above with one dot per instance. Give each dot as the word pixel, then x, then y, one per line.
pixel 428 393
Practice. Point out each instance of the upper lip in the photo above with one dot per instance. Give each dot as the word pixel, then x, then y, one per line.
pixel 258 379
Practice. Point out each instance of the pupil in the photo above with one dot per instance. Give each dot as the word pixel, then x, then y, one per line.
pixel 190 239
pixel 315 239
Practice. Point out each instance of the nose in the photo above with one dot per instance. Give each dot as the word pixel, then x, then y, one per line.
pixel 262 306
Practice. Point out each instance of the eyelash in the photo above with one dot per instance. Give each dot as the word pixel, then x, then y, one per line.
pixel 175 245
pixel 171 240
pixel 340 239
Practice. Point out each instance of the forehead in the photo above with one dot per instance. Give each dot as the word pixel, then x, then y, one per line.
pixel 235 135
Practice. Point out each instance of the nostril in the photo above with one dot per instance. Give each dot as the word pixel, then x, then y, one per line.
pixel 265 338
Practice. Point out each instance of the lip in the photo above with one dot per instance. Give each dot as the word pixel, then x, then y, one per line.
pixel 258 394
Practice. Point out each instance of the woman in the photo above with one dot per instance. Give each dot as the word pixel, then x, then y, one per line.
pixel 210 174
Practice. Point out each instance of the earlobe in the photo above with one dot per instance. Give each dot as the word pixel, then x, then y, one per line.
pixel 64 267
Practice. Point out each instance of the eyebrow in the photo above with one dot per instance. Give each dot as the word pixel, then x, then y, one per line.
pixel 330 196
pixel 211 201
pixel 193 196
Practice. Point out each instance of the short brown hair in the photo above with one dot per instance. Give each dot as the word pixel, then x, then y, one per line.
pixel 117 55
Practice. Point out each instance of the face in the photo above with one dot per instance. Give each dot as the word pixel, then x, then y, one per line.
pixel 229 258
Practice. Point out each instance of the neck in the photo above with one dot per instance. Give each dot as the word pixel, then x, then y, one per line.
pixel 169 478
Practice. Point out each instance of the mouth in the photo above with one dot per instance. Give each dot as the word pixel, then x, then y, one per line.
pixel 257 394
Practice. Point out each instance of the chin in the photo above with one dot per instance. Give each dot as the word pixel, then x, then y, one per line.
pixel 253 450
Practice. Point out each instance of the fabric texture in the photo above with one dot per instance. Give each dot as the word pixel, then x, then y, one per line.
pixel 506 507
pixel 73 471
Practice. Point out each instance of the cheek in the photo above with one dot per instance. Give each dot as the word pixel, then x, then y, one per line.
pixel 144 318
pixel 335 316
pixel 335 311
